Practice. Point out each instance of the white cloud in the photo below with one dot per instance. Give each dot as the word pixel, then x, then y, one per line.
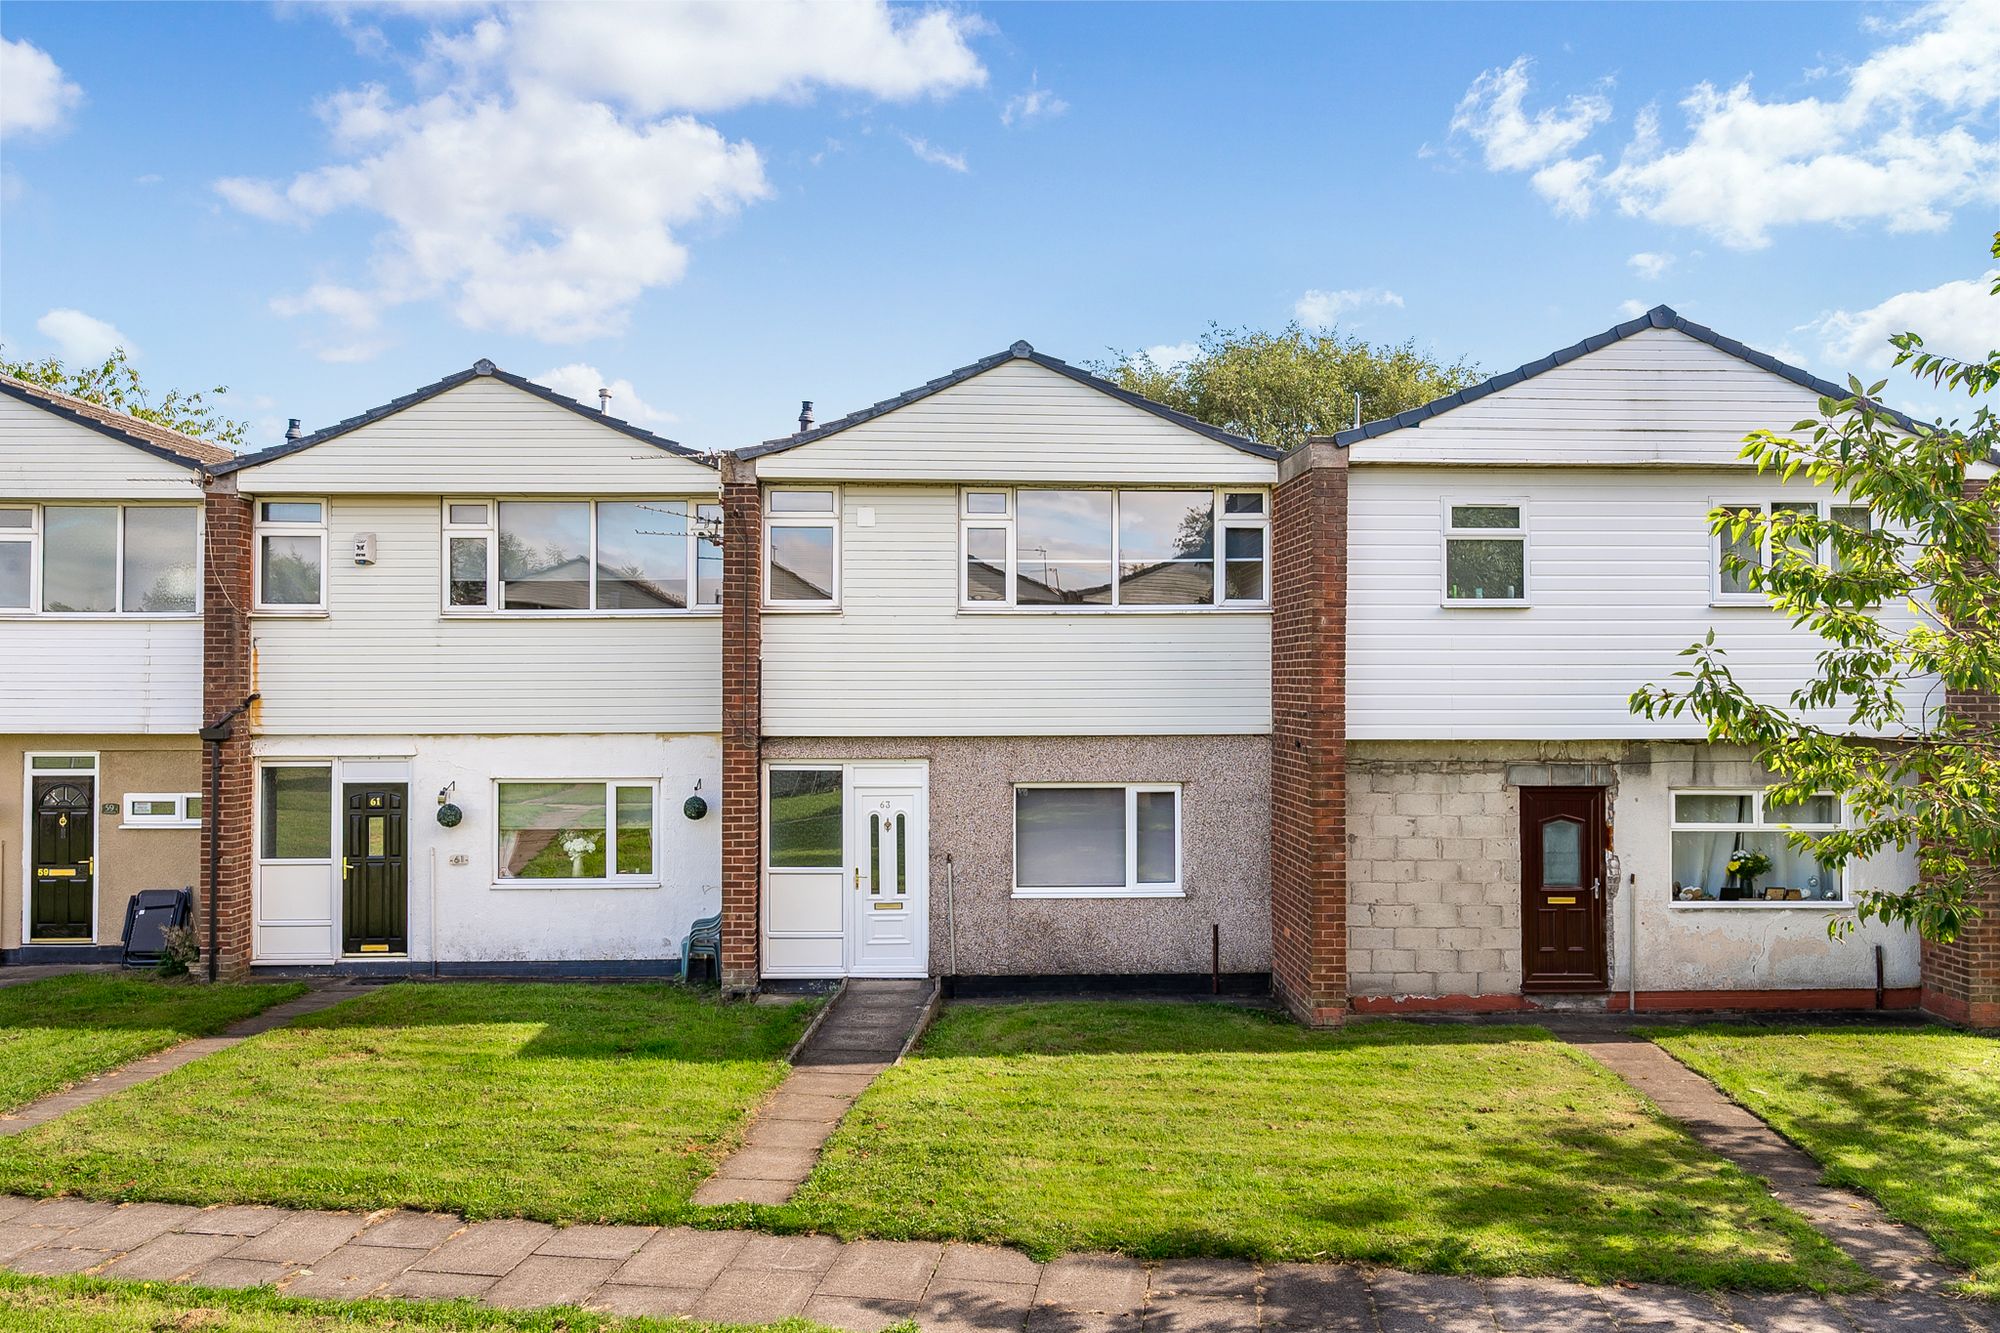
pixel 581 382
pixel 1032 103
pixel 1325 308
pixel 926 151
pixel 1172 356
pixel 1649 265
pixel 1904 143
pixel 1632 309
pixel 1957 319
pixel 34 94
pixel 79 337
pixel 545 180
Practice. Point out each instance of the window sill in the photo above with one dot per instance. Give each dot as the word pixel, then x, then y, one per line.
pixel 692 613
pixel 1780 905
pixel 304 613
pixel 1484 604
pixel 799 609
pixel 1232 609
pixel 531 885
pixel 192 824
pixel 185 617
pixel 1100 893
pixel 1753 603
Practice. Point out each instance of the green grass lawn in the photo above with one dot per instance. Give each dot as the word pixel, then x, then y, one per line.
pixel 563 1102
pixel 86 1305
pixel 1178 1129
pixel 1908 1115
pixel 62 1029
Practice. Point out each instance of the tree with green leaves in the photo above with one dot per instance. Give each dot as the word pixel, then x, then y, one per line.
pixel 1278 388
pixel 115 384
pixel 1907 604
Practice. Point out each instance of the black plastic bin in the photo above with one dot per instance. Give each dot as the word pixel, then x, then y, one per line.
pixel 148 917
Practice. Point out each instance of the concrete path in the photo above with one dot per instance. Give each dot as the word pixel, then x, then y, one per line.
pixel 869 1027
pixel 1886 1248
pixel 149 1067
pixel 746 1277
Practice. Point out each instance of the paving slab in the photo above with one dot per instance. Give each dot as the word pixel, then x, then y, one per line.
pixel 165 1258
pixel 408 1230
pixel 987 1263
pixel 70 1213
pixel 895 1270
pixel 1538 1305
pixel 754 1296
pixel 858 1314
pixel 1100 1283
pixel 788 1254
pixel 682 1257
pixel 968 1305
pixel 1655 1309
pixel 596 1242
pixel 236 1220
pixel 650 1302
pixel 1203 1277
pixel 1065 1319
pixel 1201 1314
pixel 1409 1302
pixel 15 1238
pixel 487 1249
pixel 132 1225
pixel 789 1164
pixel 302 1238
pixel 228 1272
pixel 731 1189
pixel 13 1205
pixel 1321 1298
pixel 1788 1313
pixel 770 1132
pixel 351 1272
pixel 550 1280
pixel 59 1260
pixel 413 1285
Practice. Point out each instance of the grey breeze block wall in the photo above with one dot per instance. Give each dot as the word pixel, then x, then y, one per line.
pixel 1226 857
pixel 1434 870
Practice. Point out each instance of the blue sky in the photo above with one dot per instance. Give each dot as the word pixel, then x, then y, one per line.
pixel 722 211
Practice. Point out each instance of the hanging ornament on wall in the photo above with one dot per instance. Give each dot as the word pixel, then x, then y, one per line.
pixel 694 807
pixel 448 814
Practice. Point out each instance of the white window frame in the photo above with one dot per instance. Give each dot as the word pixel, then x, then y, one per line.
pixel 1824 505
pixel 967 521
pixel 489 531
pixel 1521 533
pixel 1758 824
pixel 34 537
pixel 650 879
pixel 829 519
pixel 263 527
pixel 180 818
pixel 1132 888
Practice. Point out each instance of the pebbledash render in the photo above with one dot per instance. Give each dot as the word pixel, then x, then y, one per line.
pixel 1019 679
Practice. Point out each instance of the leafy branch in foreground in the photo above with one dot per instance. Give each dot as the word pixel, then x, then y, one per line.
pixel 1898 579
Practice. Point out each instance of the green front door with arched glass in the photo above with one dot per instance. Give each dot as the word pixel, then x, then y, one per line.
pixel 64 858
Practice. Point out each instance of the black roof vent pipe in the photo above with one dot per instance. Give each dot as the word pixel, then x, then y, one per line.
pixel 805 415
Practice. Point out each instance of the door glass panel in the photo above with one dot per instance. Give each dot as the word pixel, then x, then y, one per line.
pixel 160 552
pixel 1069 837
pixel 79 558
pixel 874 855
pixel 378 837
pixel 635 830
pixel 1562 853
pixel 1158 842
pixel 1062 548
pixel 545 555
pixel 805 817
pixel 60 762
pixel 902 861
pixel 297 814
pixel 642 554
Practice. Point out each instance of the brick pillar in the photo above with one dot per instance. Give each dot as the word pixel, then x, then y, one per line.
pixel 1961 980
pixel 227 680
pixel 742 723
pixel 1309 734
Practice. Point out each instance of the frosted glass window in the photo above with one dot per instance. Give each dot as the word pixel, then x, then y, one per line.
pixel 162 547
pixel 79 558
pixel 1562 852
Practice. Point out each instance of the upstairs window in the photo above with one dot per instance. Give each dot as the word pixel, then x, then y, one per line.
pixel 1732 586
pixel 1035 547
pixel 62 559
pixel 1485 553
pixel 607 557
pixel 802 547
pixel 291 555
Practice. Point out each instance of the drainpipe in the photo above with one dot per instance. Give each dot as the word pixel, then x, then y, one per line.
pixel 1632 945
pixel 215 734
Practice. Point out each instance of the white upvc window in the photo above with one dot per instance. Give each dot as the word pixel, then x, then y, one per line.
pixel 587 557
pixel 1485 551
pixel 100 559
pixel 162 810
pixel 1097 840
pixel 1731 849
pixel 802 547
pixel 1150 549
pixel 572 833
pixel 289 556
pixel 1732 587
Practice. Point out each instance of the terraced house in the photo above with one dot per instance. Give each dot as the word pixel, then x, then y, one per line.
pixel 1019 676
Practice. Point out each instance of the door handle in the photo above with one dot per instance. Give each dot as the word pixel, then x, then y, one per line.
pixel 857 879
pixel 90 867
pixel 1597 888
pixel 345 866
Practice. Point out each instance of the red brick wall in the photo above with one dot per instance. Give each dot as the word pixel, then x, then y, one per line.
pixel 1961 980
pixel 227 679
pixel 742 724
pixel 1309 734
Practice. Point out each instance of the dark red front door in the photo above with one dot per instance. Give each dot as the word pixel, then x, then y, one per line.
pixel 1562 889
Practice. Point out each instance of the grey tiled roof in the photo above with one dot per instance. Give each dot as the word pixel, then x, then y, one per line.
pixel 478 369
pixel 1659 317
pixel 1021 351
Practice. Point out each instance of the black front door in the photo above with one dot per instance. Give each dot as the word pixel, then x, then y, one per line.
pixel 65 864
pixel 1562 889
pixel 375 870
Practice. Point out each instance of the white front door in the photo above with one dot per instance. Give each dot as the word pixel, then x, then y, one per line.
pixel 888 897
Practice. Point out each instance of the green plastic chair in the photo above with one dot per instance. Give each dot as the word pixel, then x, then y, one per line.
pixel 704 940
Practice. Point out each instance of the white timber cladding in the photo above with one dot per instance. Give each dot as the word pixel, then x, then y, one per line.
pixel 386 658
pixel 901 658
pixel 482 437
pixel 46 457
pixel 100 675
pixel 1621 568
pixel 1659 396
pixel 1020 422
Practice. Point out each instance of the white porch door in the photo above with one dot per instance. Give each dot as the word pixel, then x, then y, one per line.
pixel 889 898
